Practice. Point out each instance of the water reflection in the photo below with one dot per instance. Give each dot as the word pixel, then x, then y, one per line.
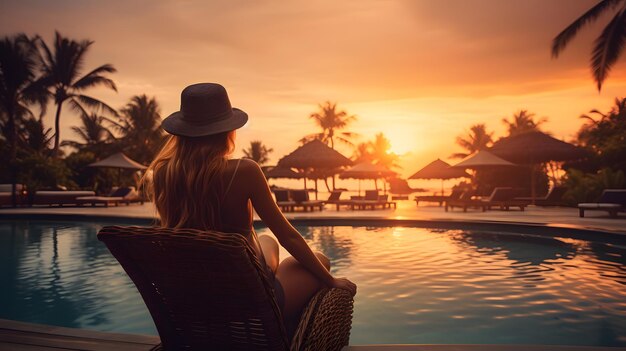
pixel 416 285
pixel 60 274
pixel 522 249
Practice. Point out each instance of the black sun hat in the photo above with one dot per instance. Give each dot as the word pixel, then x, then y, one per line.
pixel 204 110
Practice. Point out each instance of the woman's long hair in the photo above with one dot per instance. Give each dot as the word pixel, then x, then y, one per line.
pixel 185 180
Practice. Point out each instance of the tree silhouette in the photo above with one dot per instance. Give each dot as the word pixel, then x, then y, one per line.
pixel 523 122
pixel 18 65
pixel 140 125
pixel 61 72
pixel 331 121
pixel 258 152
pixel 609 44
pixel 604 134
pixel 477 139
pixel 377 151
pixel 92 132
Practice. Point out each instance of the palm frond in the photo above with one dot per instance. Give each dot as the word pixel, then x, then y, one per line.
pixel 560 41
pixel 607 48
pixel 77 107
pixel 95 104
pixel 94 78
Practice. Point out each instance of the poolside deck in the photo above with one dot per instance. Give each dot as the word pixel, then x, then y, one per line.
pixel 24 336
pixel 20 336
pixel 407 210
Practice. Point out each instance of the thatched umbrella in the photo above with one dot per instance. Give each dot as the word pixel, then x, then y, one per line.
pixel 317 156
pixel 439 169
pixel 367 170
pixel 481 160
pixel 119 161
pixel 314 154
pixel 534 148
pixel 282 172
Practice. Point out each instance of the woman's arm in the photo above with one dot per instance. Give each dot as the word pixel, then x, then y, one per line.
pixel 286 234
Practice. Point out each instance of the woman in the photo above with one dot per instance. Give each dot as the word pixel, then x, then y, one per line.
pixel 195 185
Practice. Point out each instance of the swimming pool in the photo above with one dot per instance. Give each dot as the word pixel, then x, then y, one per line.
pixel 416 285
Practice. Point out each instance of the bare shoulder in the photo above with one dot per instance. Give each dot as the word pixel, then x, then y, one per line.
pixel 248 166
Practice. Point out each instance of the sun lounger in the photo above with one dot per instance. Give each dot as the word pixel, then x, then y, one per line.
pixel 283 200
pixel 6 194
pixel 209 291
pixel 334 199
pixel 371 201
pixel 503 198
pixel 400 190
pixel 465 201
pixel 124 195
pixel 60 198
pixel 552 198
pixel 440 199
pixel 611 200
pixel 301 199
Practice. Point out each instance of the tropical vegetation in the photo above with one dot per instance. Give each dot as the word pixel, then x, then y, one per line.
pixel 608 45
pixel 331 121
pixel 258 152
pixel 61 68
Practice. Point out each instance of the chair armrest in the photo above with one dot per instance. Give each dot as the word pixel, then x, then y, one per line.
pixel 325 322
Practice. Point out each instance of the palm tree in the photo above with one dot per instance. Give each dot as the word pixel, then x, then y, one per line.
pixel 523 122
pixel 140 124
pixel 330 120
pixel 604 136
pixel 18 64
pixel 35 137
pixel 258 152
pixel 609 44
pixel 477 139
pixel 381 152
pixel 92 132
pixel 363 152
pixel 61 72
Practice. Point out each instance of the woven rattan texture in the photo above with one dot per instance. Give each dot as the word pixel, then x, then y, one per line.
pixel 207 290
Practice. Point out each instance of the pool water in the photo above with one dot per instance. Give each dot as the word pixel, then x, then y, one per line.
pixel 416 285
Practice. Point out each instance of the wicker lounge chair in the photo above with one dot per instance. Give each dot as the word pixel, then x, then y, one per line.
pixel 611 200
pixel 208 291
pixel 301 199
pixel 283 200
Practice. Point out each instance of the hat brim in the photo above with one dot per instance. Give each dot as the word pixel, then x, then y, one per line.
pixel 176 125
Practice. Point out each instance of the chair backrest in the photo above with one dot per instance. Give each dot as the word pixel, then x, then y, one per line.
pixel 399 186
pixel 121 191
pixel 456 194
pixel 334 195
pixel 204 290
pixel 614 196
pixel 371 195
pixel 501 194
pixel 281 195
pixel 300 195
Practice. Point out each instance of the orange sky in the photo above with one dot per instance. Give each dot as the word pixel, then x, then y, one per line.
pixel 420 71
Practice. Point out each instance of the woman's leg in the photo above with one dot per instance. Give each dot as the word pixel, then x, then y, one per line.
pixel 299 286
pixel 269 247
